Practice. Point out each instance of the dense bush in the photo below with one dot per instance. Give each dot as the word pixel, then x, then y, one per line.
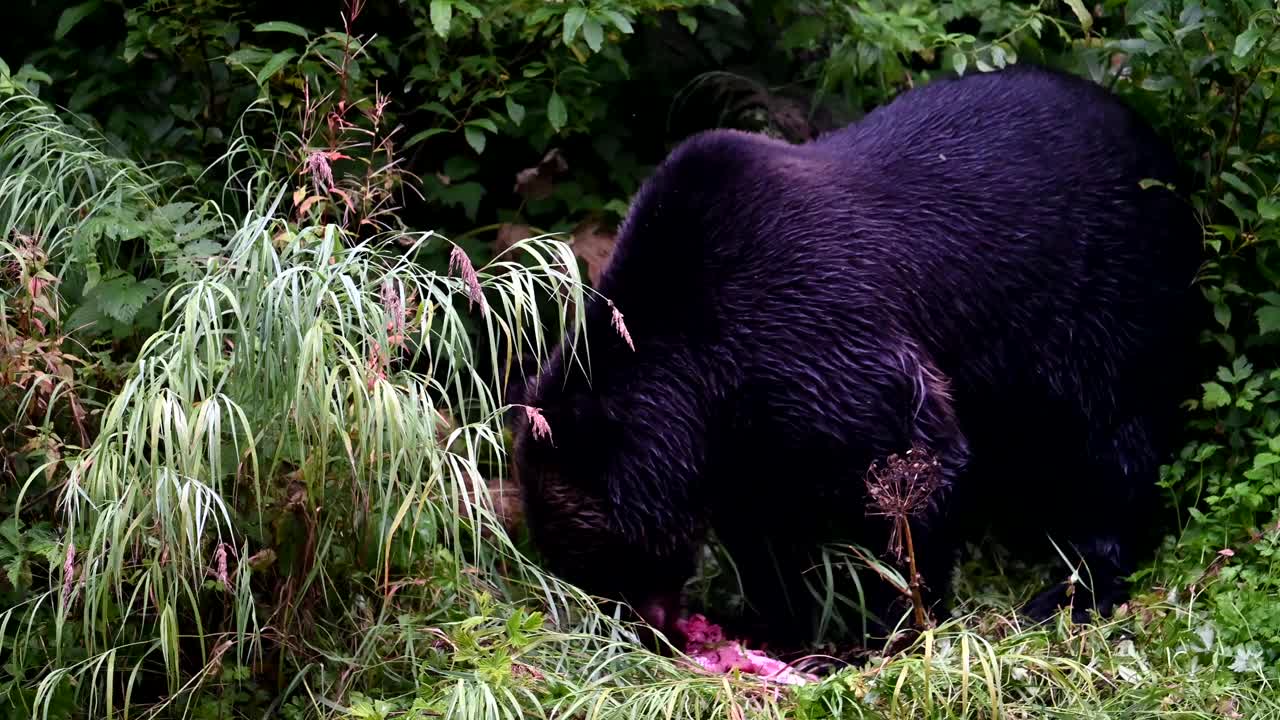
pixel 251 407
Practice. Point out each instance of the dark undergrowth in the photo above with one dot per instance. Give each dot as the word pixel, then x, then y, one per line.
pixel 266 270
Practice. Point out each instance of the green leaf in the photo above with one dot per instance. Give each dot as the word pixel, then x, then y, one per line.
pixel 515 111
pixel 1264 459
pixel 1215 396
pixel 469 9
pixel 441 16
pixel 123 297
pixel 1222 313
pixel 557 113
pixel 1246 40
pixel 619 21
pixel 593 33
pixel 248 57
pixel 959 62
pixel 1236 182
pixel 1268 319
pixel 284 27
pixel 573 20
pixel 475 138
pixel 803 32
pixel 274 65
pixel 1269 209
pixel 1082 14
pixel 423 135
pixel 72 17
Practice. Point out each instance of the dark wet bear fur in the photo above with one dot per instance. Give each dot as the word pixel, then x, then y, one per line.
pixel 973 268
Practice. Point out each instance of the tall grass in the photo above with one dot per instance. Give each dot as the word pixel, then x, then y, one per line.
pixel 285 497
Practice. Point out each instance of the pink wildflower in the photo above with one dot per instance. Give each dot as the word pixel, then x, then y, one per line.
pixel 461 264
pixel 220 563
pixel 621 327
pixel 541 428
pixel 69 571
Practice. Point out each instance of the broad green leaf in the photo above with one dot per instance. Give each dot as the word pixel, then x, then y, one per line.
pixel 485 123
pixel 469 9
pixel 1268 319
pixel 515 111
pixel 1264 459
pixel 441 16
pixel 1268 209
pixel 248 56
pixel 593 33
pixel 619 21
pixel 423 135
pixel 1222 313
pixel 1236 182
pixel 273 65
pixel 72 17
pixel 1246 40
pixel 1082 14
pixel 475 138
pixel 959 62
pixel 557 113
pixel 284 27
pixel 573 20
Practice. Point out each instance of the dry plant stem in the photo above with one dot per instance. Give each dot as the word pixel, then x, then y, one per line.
pixel 917 599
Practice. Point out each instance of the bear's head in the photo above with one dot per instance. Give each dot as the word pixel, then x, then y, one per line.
pixel 589 520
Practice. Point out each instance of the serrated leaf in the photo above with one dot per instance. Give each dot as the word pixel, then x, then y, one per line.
pixel 11 530
pixel 515 111
pixel 122 297
pixel 441 16
pixel 72 17
pixel 557 113
pixel 573 20
pixel 1268 319
pixel 1246 40
pixel 593 33
pixel 15 571
pixel 1215 396
pixel 475 138
pixel 1082 13
pixel 284 27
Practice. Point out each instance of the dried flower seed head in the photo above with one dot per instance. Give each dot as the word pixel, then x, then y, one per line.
pixel 901 489
pixel 461 264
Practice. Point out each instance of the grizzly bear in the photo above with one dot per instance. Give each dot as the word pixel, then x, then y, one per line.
pixel 980 269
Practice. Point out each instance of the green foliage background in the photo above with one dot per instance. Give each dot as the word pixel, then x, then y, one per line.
pixel 248 387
